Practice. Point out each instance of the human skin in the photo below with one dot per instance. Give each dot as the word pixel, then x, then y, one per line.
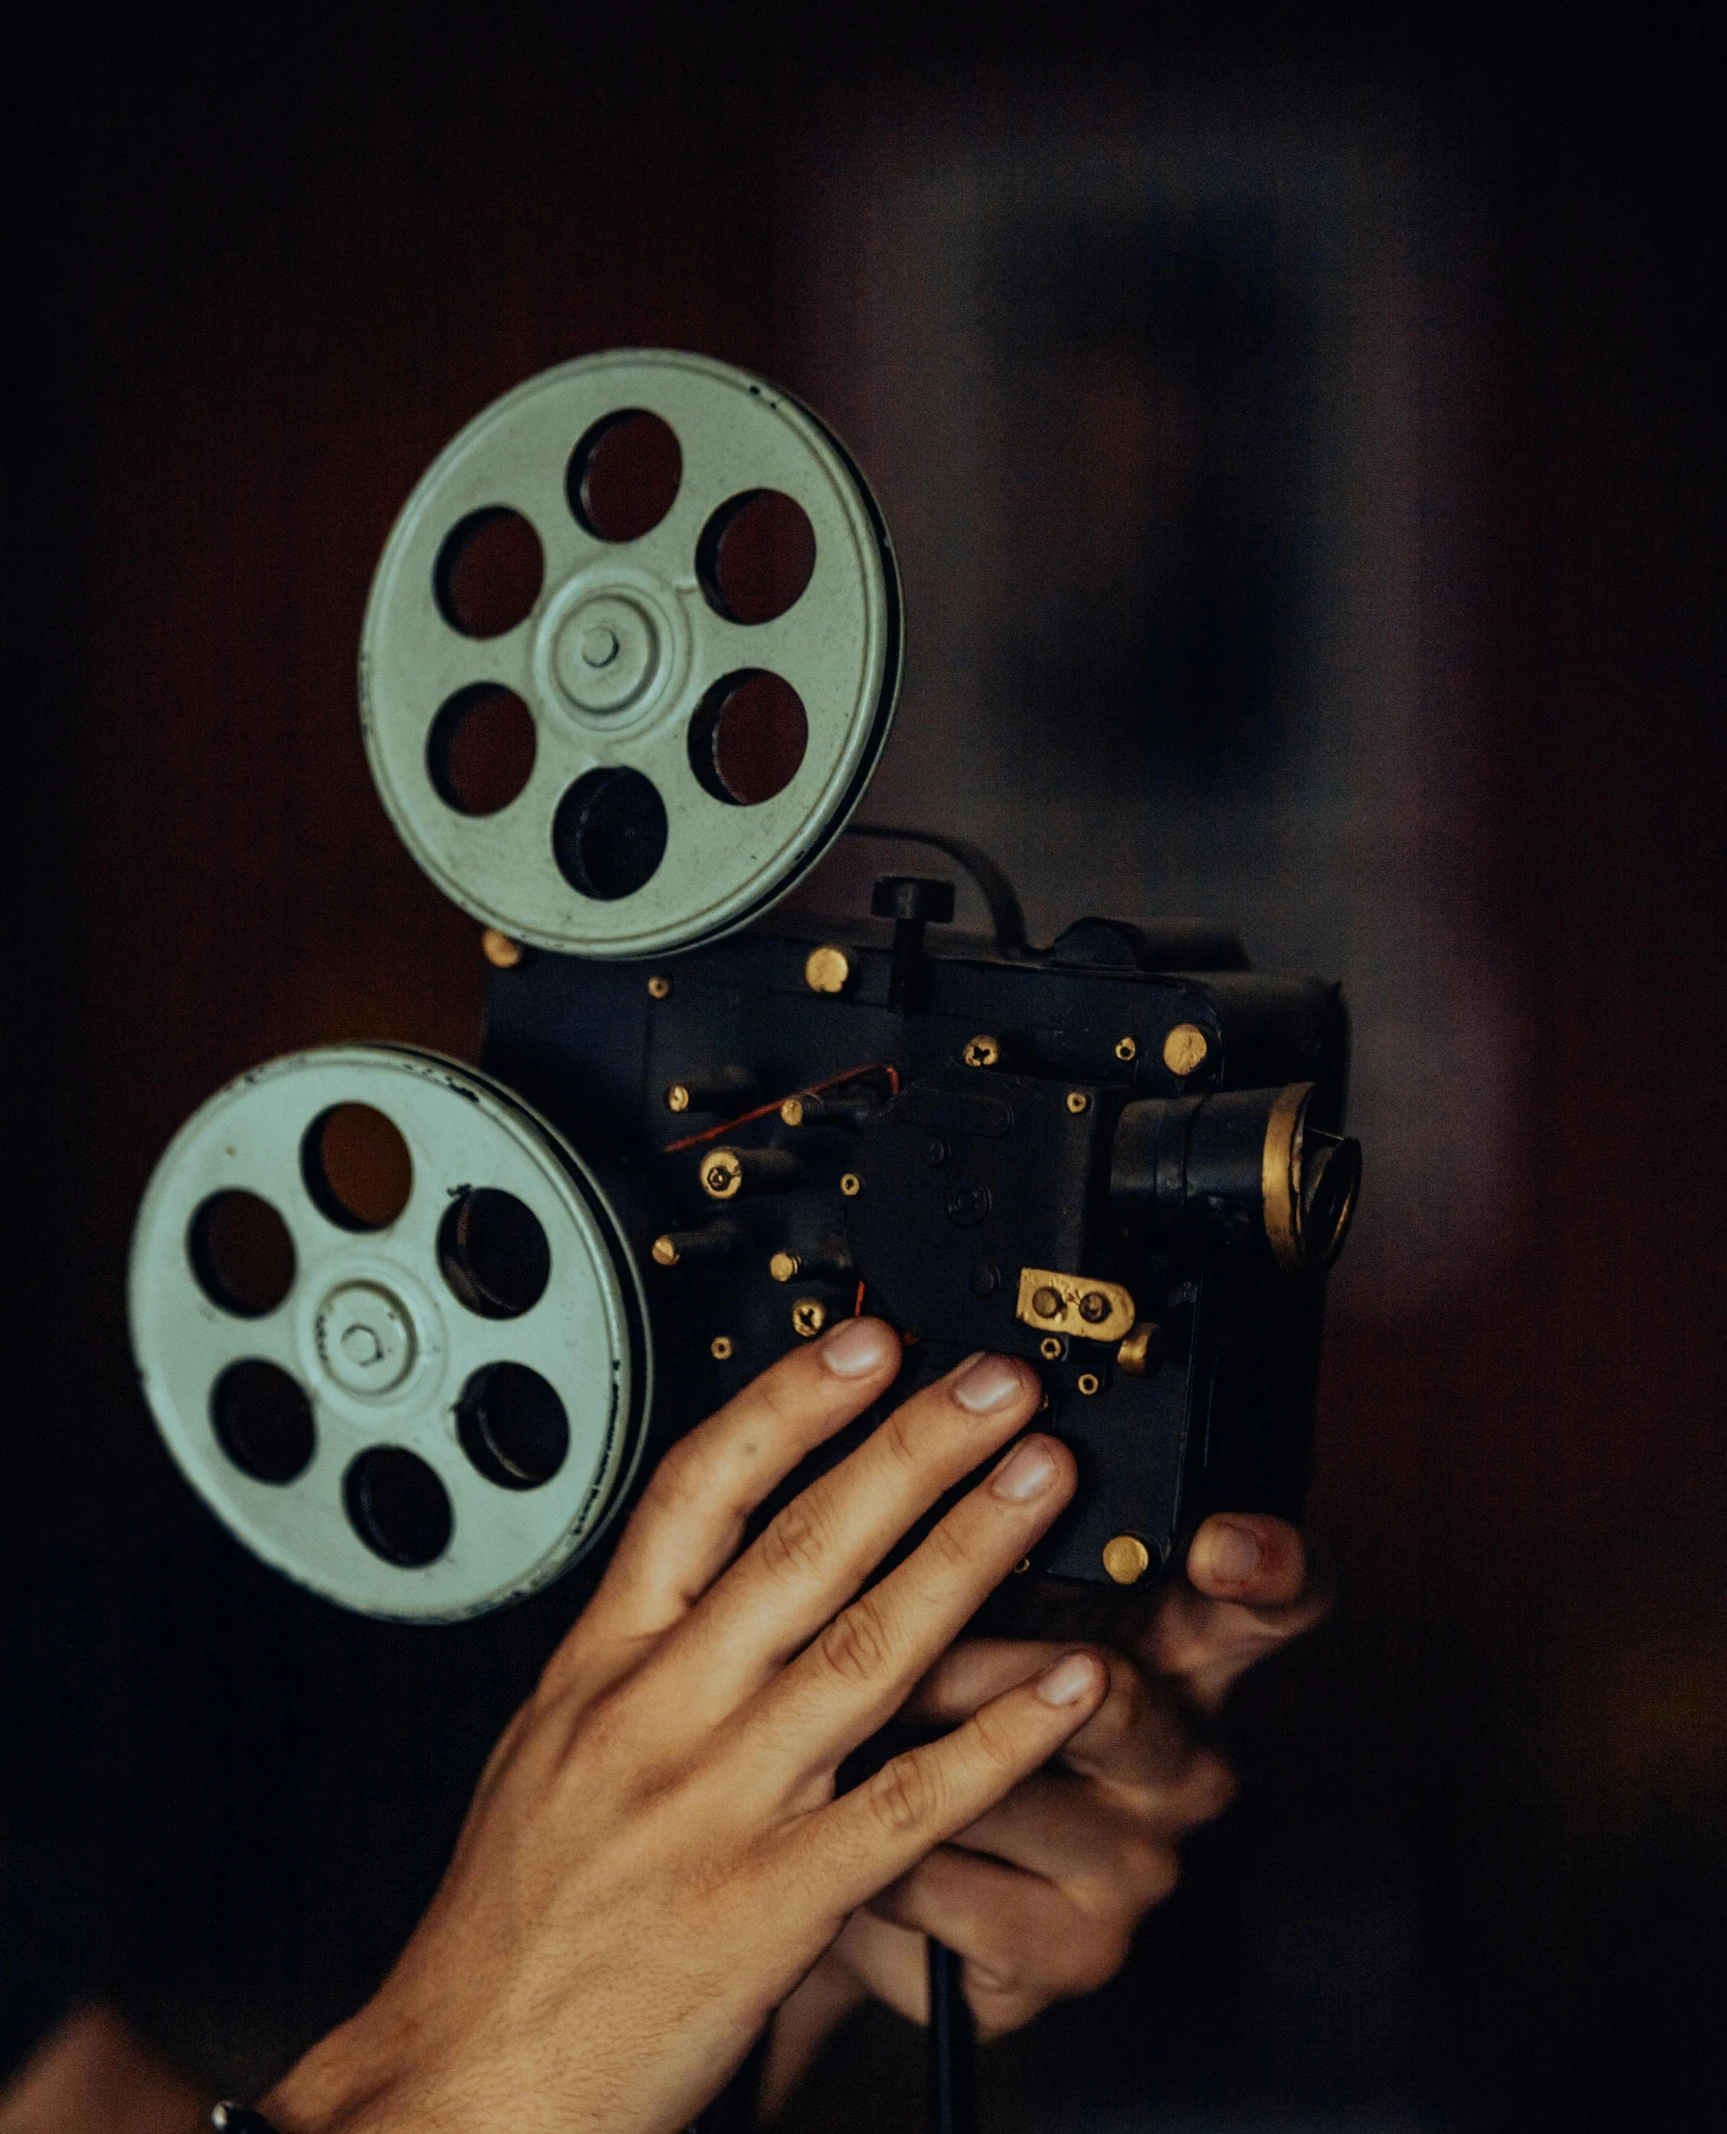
pixel 1041 1896
pixel 654 1859
pixel 656 1854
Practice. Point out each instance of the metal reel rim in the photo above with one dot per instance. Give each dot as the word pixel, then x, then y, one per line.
pixel 183 1424
pixel 869 723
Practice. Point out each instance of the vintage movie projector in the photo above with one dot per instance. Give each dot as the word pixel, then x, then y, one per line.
pixel 630 658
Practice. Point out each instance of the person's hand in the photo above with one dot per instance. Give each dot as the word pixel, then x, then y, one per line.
pixel 655 1855
pixel 1041 1895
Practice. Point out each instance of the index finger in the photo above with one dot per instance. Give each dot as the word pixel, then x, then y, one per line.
pixel 691 1519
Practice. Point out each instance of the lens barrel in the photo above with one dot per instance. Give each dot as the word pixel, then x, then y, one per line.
pixel 1240 1171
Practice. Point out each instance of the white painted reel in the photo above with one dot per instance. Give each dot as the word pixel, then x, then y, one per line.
pixel 390 1330
pixel 630 633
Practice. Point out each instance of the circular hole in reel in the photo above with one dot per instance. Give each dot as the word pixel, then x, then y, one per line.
pixel 748 737
pixel 356 1167
pixel 398 1507
pixel 263 1420
pixel 241 1253
pixel 609 833
pixel 489 572
pixel 512 1426
pixel 494 1254
pixel 624 475
pixel 756 556
pixel 480 752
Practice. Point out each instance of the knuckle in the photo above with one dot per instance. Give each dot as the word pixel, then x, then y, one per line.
pixel 996 1740
pixel 855 1646
pixel 795 1542
pixel 897 1440
pixel 904 1794
pixel 948 1546
pixel 1093 1959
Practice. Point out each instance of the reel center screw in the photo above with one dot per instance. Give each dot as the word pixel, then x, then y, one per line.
pixel 366 1338
pixel 608 653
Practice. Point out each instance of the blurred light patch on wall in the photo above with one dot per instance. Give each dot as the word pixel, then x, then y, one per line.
pixel 1162 404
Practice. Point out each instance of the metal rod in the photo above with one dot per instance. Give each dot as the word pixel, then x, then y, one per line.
pixel 952 2048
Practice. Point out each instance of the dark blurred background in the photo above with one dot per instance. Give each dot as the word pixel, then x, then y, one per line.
pixel 1300 428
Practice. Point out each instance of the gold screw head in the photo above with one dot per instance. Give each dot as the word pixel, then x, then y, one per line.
pixel 982 1052
pixel 1089 1382
pixel 792 1111
pixel 784 1266
pixel 720 1348
pixel 1047 1303
pixel 1078 1101
pixel 1185 1048
pixel 1126 1048
pixel 1094 1307
pixel 722 1175
pixel 499 950
pixel 1050 1348
pixel 665 1252
pixel 677 1098
pixel 659 988
pixel 851 1185
pixel 827 970
pixel 1126 1559
pixel 809 1316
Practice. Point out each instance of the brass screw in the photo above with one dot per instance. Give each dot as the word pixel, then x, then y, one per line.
pixel 677 1098
pixel 1047 1303
pixel 1078 1101
pixel 1126 1049
pixel 851 1185
pixel 982 1052
pixel 499 950
pixel 661 989
pixel 1126 1559
pixel 720 1348
pixel 665 1252
pixel 723 1175
pixel 1185 1048
pixel 1094 1307
pixel 792 1111
pixel 1089 1382
pixel 827 970
pixel 809 1316
pixel 784 1266
pixel 1050 1348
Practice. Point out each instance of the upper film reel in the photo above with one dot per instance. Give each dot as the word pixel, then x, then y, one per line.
pixel 694 673
pixel 390 1330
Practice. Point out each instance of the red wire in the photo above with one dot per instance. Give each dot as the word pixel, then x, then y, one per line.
pixel 761 1111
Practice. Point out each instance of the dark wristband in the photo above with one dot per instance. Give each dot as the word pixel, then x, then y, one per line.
pixel 230 2118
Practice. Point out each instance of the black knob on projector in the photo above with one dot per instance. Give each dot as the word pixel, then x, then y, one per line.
pixel 912 902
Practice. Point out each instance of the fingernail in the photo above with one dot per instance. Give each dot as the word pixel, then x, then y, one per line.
pixel 1068 1680
pixel 858 1348
pixel 992 1382
pixel 1234 1554
pixel 1027 1472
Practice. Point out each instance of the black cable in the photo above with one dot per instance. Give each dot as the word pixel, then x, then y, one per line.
pixel 952 2048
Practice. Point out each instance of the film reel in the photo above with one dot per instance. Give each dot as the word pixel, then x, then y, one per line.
pixel 631 654
pixel 390 1330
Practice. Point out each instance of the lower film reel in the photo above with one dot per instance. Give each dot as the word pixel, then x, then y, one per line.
pixel 390 1330
pixel 631 654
